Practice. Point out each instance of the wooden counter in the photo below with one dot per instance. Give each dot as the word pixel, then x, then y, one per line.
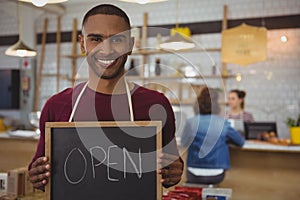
pixel 16 152
pixel 258 171
pixel 264 171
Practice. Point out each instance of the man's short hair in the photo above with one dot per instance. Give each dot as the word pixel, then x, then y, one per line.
pixel 106 9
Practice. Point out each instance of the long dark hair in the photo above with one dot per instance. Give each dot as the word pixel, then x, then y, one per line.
pixel 207 102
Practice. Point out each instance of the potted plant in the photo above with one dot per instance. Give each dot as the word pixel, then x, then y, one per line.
pixel 294 125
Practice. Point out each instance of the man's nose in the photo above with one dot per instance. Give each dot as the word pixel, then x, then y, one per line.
pixel 106 47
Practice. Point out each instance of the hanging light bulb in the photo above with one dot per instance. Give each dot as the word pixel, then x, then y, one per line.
pixel 143 1
pixel 179 40
pixel 180 37
pixel 39 3
pixel 20 49
pixel 238 77
pixel 283 39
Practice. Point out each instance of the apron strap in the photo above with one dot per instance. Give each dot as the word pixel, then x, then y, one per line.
pixel 82 91
pixel 77 101
pixel 129 101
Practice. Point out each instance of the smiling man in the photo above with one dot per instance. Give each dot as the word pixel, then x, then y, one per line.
pixel 108 48
pixel 107 96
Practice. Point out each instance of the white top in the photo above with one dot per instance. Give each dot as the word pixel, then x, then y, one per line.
pixel 205 172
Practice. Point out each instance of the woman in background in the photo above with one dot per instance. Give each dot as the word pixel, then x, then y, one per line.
pixel 206 136
pixel 236 103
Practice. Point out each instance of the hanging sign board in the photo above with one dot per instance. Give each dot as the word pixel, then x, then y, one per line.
pixel 103 160
pixel 244 45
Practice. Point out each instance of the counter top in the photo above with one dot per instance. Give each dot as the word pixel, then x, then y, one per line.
pixel 19 134
pixel 251 145
pixel 265 146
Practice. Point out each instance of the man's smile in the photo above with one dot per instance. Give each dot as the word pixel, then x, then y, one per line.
pixel 105 63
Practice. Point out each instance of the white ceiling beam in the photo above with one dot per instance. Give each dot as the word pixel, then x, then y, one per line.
pixel 57 9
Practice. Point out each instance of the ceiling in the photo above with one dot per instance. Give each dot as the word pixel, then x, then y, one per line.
pixel 69 2
pixel 54 8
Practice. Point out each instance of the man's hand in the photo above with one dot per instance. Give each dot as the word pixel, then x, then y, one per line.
pixel 171 171
pixel 39 173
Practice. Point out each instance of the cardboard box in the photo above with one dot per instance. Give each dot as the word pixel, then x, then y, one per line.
pixel 18 183
pixel 15 183
pixel 3 184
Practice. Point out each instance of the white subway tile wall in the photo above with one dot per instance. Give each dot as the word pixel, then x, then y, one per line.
pixel 272 86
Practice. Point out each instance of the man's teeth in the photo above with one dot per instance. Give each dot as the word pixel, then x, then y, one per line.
pixel 106 62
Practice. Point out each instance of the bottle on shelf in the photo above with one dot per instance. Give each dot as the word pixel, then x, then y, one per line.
pixel 158 40
pixel 214 70
pixel 157 67
pixel 132 70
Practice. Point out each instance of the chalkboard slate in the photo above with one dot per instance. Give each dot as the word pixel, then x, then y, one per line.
pixel 103 160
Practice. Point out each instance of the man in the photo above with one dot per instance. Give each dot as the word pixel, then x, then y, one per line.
pixel 107 43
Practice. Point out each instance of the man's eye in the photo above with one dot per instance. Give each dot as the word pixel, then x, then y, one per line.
pixel 117 39
pixel 96 39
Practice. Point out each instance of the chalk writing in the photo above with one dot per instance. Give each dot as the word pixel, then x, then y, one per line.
pixel 65 166
pixel 105 159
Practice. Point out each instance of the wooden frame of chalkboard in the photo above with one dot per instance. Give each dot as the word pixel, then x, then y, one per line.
pixel 104 160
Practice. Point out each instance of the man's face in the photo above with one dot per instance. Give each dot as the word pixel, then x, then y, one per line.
pixel 106 41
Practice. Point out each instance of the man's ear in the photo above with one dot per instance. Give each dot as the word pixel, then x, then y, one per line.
pixel 131 44
pixel 82 46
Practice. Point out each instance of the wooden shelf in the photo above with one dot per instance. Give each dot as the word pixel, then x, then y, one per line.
pixel 154 51
pixel 162 51
pixel 165 78
pixel 184 87
pixel 75 56
pixel 54 75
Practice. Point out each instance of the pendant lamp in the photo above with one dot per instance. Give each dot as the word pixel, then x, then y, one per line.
pixel 179 40
pixel 180 37
pixel 41 3
pixel 20 49
pixel 143 1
